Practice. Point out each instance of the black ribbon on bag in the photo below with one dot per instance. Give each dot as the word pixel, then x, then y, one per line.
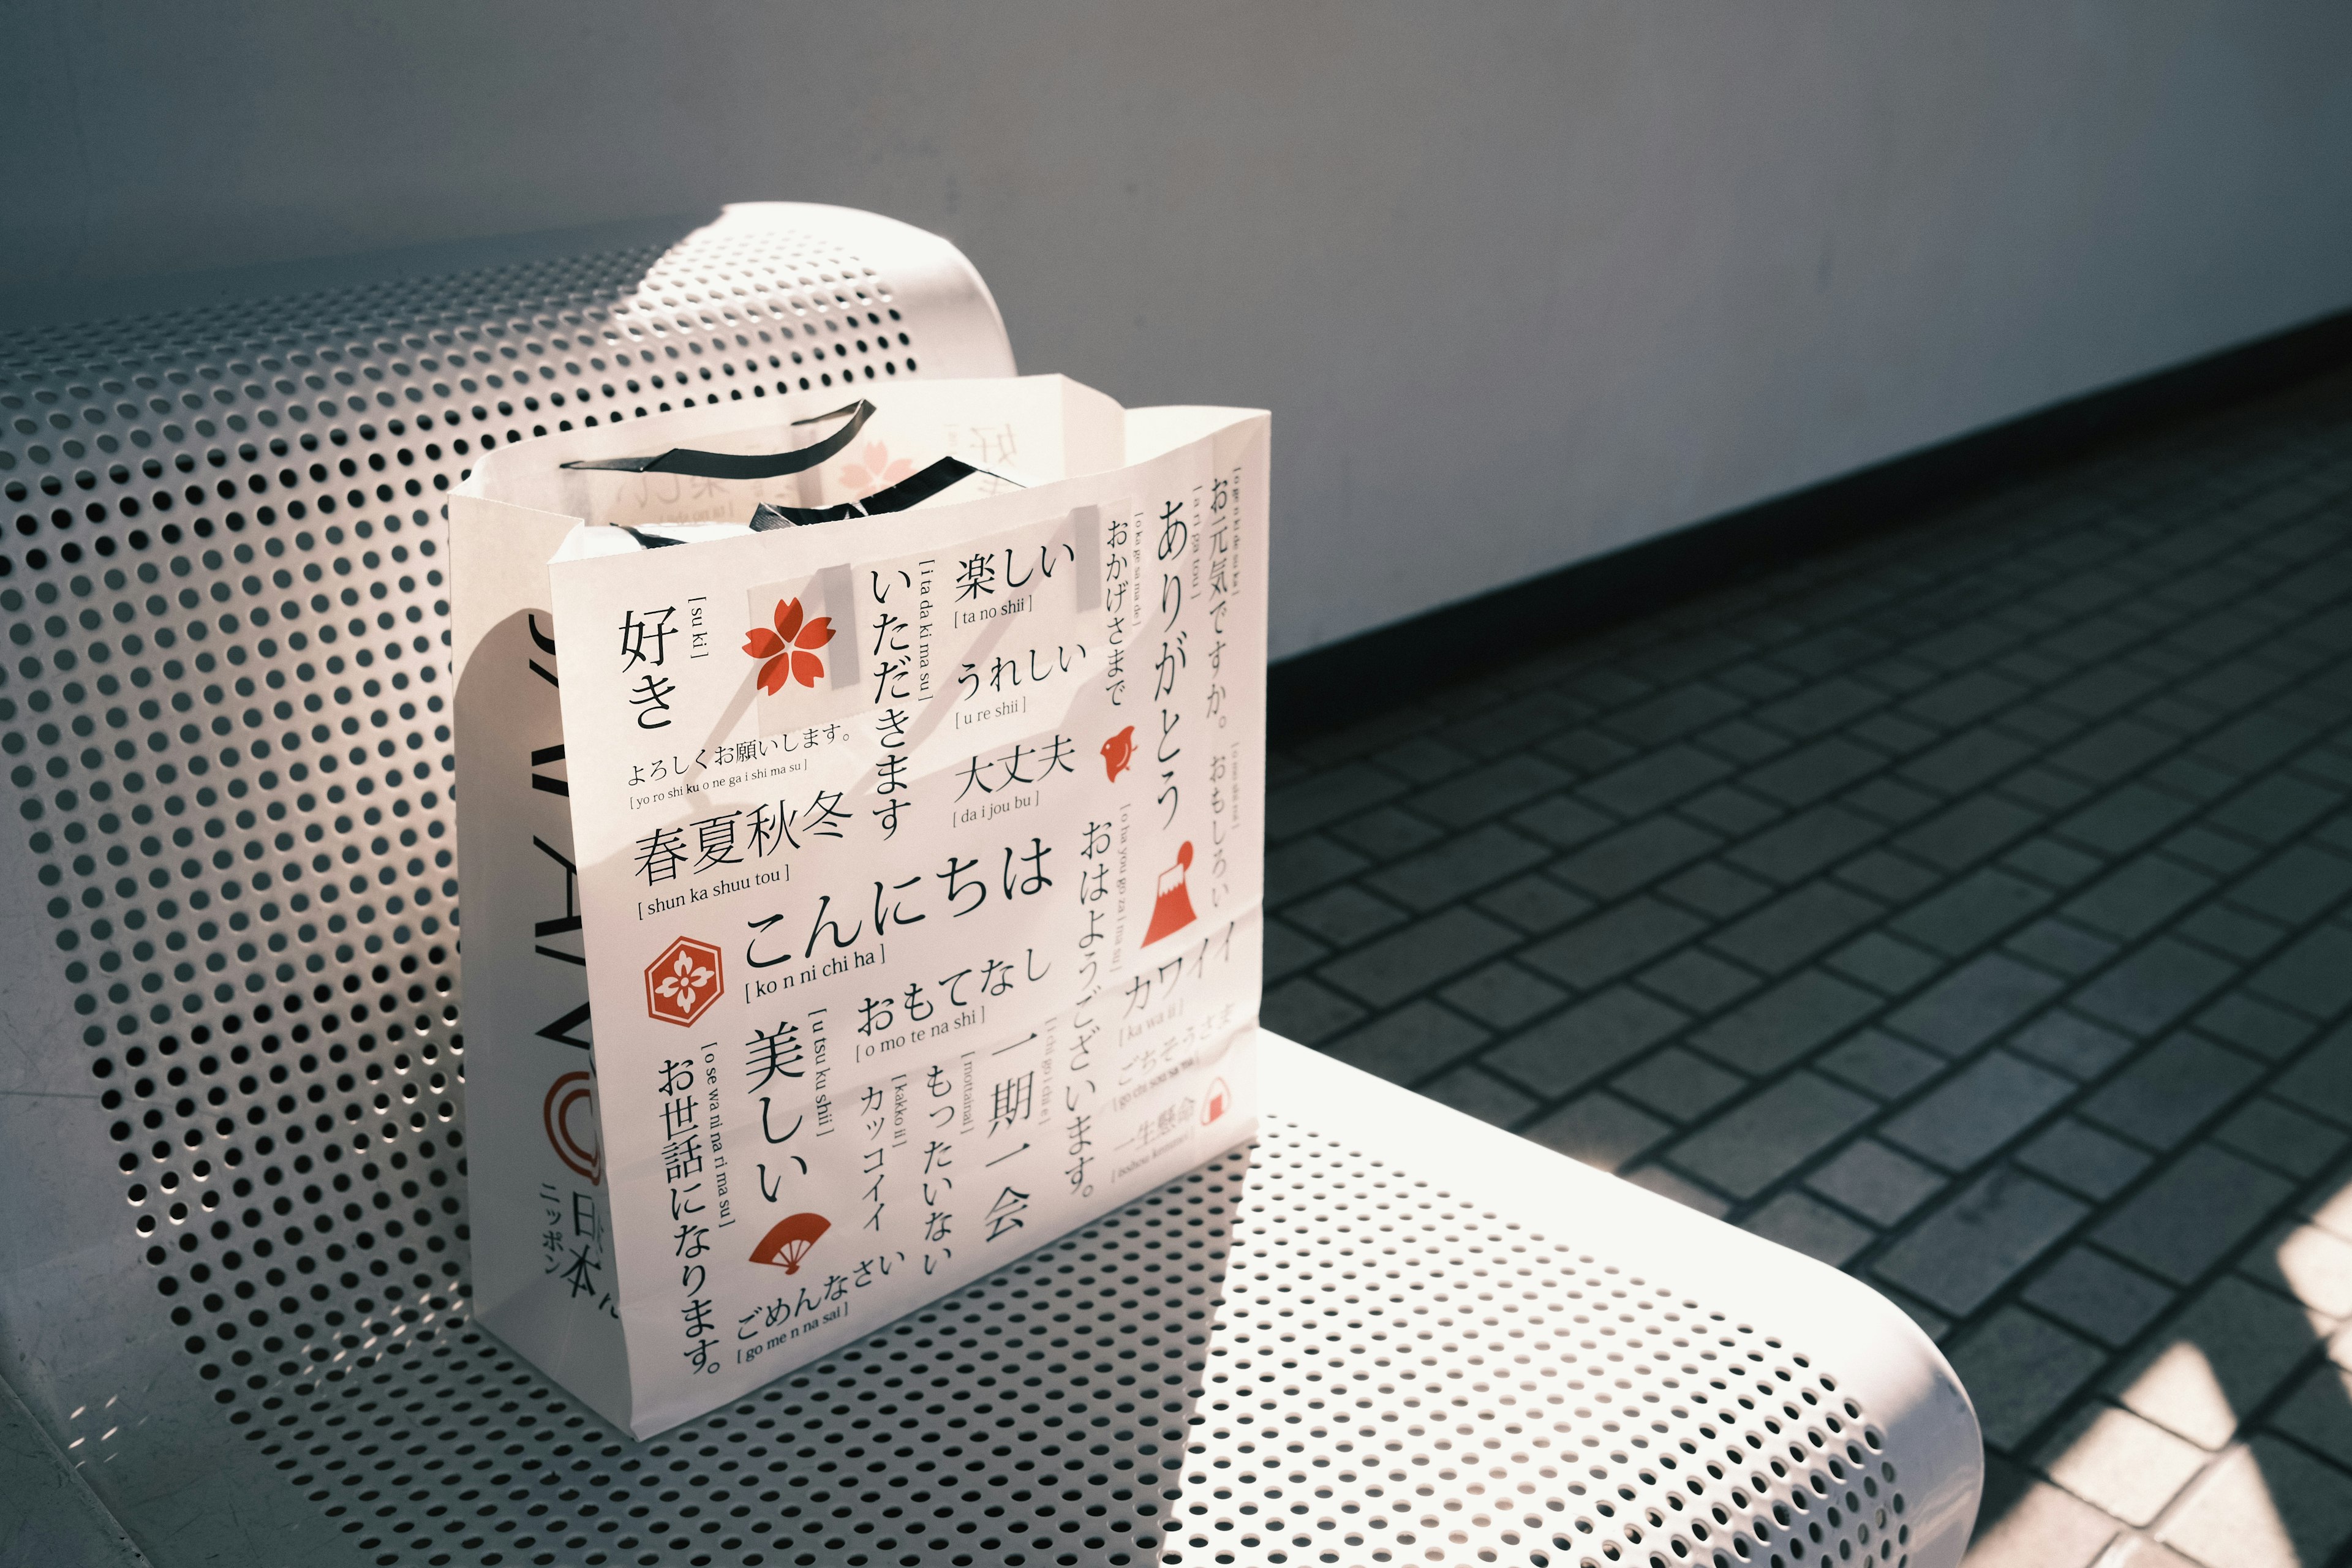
pixel 912 490
pixel 697 465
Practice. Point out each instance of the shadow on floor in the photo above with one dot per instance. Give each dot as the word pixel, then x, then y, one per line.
pixel 1967 908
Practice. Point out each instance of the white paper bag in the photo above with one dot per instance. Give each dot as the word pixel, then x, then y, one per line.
pixel 848 909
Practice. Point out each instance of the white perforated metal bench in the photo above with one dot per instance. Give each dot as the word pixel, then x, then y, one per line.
pixel 232 1257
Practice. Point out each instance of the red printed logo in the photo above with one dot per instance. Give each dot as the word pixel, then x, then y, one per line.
pixel 878 470
pixel 789 651
pixel 569 1110
pixel 1117 753
pixel 789 1241
pixel 1220 1100
pixel 682 983
pixel 1172 907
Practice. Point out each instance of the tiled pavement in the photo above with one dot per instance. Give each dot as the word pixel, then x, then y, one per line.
pixel 1971 909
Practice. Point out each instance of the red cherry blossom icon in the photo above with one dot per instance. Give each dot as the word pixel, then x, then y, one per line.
pixel 879 470
pixel 789 650
pixel 682 983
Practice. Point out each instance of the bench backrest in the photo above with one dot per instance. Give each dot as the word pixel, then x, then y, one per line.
pixel 233 1130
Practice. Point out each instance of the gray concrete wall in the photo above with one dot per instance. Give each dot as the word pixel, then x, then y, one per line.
pixel 1523 283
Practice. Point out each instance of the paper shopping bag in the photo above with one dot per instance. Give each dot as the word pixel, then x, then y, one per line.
pixel 849 907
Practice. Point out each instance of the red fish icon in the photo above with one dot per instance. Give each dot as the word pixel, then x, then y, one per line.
pixel 1117 751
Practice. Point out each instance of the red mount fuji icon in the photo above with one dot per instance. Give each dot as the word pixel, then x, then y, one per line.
pixel 682 983
pixel 1171 908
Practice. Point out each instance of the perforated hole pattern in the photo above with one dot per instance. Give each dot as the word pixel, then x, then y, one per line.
pixel 1312 1360
pixel 225 719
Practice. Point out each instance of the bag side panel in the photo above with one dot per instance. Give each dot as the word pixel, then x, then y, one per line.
pixel 541 1215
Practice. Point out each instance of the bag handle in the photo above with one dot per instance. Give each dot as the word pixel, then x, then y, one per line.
pixel 743 466
pixel 909 491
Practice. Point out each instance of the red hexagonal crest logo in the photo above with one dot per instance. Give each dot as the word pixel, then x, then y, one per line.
pixel 682 983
